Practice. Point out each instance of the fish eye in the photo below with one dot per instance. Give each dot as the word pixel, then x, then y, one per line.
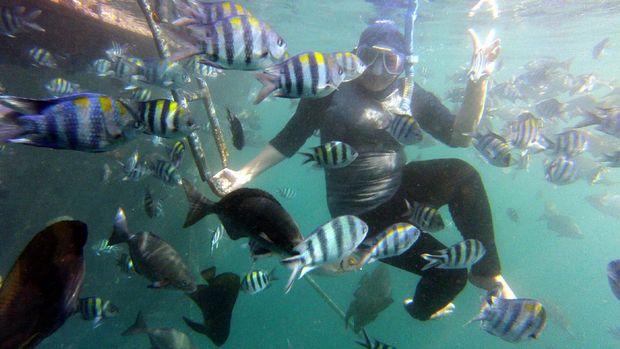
pixel 280 42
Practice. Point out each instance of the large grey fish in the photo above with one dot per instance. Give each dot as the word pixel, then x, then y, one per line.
pixel 372 296
pixel 607 203
pixel 42 288
pixel 613 276
pixel 607 119
pixel 328 243
pixel 513 320
pixel 153 257
pixel 563 225
pixel 160 338
pixel 247 212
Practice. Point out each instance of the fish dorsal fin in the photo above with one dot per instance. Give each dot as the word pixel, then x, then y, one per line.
pixel 208 274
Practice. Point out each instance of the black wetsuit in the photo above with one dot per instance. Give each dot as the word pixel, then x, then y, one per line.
pixel 375 185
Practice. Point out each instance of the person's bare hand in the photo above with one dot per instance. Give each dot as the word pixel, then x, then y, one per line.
pixel 228 180
pixel 485 55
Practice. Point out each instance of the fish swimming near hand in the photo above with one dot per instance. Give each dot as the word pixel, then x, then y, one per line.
pixel 250 213
pixel 236 129
pixel 30 308
pixel 216 301
pixel 160 338
pixel 373 295
pixel 85 122
pixel 153 257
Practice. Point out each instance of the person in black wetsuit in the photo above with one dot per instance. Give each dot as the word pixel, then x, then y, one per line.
pixel 376 185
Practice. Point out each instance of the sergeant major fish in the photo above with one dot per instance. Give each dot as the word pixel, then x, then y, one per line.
pixel 61 87
pixel 458 256
pixel 405 129
pixel 374 344
pixel 84 122
pixel 306 75
pixel 42 58
pixel 494 149
pixel 287 192
pixel 334 154
pixel 96 309
pixel 152 206
pixel 15 20
pixel 153 257
pixel 257 281
pixel 392 241
pixel 125 264
pixel 351 64
pixel 166 171
pixel 164 118
pixel 328 243
pixel 424 217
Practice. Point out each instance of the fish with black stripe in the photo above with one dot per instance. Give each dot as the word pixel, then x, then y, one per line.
pixel 236 129
pixel 166 171
pixel 287 192
pixel 42 58
pixel 60 87
pixel 257 280
pixel 328 243
pixel 513 320
pixel 375 344
pixel 235 42
pixel 125 264
pixel 97 310
pixel 15 20
pixel 405 129
pixel 563 170
pixel 175 152
pixel 306 75
pixel 201 12
pixel 102 67
pixel 141 94
pixel 152 207
pixel 392 241
pixel 526 133
pixel 458 256
pixel 165 73
pixel 351 64
pixel 164 118
pixel 424 217
pixel 333 154
pixel 85 122
pixel 570 143
pixel 494 149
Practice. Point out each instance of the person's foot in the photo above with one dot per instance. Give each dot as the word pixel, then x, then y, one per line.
pixel 447 310
pixel 487 283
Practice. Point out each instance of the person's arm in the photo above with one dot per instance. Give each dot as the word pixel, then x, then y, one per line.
pixel 285 144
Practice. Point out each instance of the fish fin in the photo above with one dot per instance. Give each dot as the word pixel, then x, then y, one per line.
pixel 199 205
pixel 139 326
pixel 269 85
pixel 433 261
pixel 29 18
pixel 120 231
pixel 97 322
pixel 309 157
pixel 590 119
pixel 210 63
pixel 368 343
pixel 200 328
pixel 478 317
pixel 272 275
pixel 208 274
pixel 297 265
pixel 10 127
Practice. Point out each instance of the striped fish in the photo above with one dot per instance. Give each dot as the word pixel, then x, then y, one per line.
pixel 200 12
pixel 391 242
pixel 102 67
pixel 175 152
pixel 152 207
pixel 163 73
pixel 351 64
pixel 42 57
pixel 306 75
pixel 257 280
pixel 15 20
pixel 570 143
pixel 526 133
pixel 494 149
pixel 329 243
pixel 116 50
pixel 60 87
pixel 200 70
pixel 235 42
pixel 125 68
pixel 561 170
pixel 405 129
pixel 102 247
pixel 458 256
pixel 96 309
pixel 287 192
pixel 125 263
pixel 216 237
pixel 85 122
pixel 333 154
pixel 166 171
pixel 424 217
pixel 139 171
pixel 513 320
pixel 141 94
pixel 375 344
pixel 164 118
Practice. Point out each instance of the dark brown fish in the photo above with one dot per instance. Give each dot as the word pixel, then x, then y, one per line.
pixel 247 213
pixel 236 129
pixel 153 257
pixel 216 301
pixel 373 295
pixel 42 289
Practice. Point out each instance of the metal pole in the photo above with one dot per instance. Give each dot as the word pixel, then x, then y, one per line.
pixel 332 304
pixel 213 121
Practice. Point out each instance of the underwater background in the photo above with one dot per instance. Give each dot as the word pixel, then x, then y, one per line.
pixel 567 275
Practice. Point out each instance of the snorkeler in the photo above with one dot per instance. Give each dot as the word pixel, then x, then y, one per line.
pixel 377 185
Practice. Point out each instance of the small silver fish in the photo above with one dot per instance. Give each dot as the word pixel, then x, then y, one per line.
pixel 216 236
pixel 102 247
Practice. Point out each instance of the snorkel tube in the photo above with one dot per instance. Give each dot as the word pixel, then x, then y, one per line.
pixel 410 59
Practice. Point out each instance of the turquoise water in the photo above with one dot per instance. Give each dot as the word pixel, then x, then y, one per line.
pixel 566 274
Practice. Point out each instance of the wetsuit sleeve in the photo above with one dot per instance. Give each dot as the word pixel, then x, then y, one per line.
pixel 300 127
pixel 434 117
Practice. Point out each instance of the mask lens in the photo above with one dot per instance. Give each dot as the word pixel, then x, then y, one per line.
pixel 393 62
pixel 368 55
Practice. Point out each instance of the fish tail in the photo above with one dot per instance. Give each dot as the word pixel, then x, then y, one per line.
pixel 297 265
pixel 269 85
pixel 272 275
pixel 309 158
pixel 590 119
pixel 138 327
pixel 120 232
pixel 433 261
pixel 199 205
pixel 29 21
pixel 200 328
pixel 368 343
pixel 10 126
